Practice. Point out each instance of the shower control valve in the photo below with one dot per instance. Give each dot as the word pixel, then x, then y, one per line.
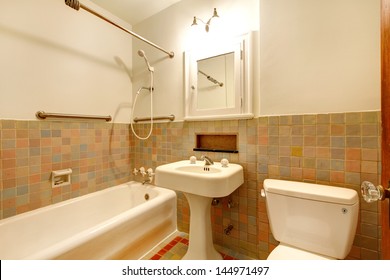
pixel 150 172
pixel 142 171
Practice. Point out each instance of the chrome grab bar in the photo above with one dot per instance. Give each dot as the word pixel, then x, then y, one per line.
pixel 43 115
pixel 170 117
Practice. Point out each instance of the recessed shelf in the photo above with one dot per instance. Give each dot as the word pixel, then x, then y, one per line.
pixel 223 143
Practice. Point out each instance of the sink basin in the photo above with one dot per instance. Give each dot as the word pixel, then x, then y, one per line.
pixel 200 183
pixel 209 181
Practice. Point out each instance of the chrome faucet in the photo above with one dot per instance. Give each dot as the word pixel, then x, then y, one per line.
pixel 207 160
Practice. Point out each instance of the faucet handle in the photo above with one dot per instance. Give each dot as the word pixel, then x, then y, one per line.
pixel 224 162
pixel 193 159
pixel 142 171
pixel 150 172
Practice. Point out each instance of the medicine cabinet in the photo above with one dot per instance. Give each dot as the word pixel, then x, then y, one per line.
pixel 217 81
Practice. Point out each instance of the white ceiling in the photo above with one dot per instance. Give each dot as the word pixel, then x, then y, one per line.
pixel 134 11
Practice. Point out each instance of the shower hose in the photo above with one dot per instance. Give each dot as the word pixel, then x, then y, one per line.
pixel 151 109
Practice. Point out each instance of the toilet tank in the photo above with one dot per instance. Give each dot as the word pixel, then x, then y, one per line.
pixel 316 218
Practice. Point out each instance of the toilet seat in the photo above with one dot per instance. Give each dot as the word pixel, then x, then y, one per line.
pixel 285 252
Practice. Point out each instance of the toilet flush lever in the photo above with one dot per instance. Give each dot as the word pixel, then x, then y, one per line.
pixel 372 193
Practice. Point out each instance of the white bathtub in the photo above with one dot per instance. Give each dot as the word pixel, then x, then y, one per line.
pixel 115 223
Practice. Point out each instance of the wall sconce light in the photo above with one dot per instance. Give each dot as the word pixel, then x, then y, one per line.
pixel 207 24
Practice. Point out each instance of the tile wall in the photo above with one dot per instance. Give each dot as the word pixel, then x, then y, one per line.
pixel 97 153
pixel 337 149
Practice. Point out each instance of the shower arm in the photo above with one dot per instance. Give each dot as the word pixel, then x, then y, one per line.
pixel 75 4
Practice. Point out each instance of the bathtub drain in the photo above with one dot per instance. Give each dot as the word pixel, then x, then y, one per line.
pixel 147 196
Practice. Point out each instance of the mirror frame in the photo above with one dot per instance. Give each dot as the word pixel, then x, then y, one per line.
pixel 243 93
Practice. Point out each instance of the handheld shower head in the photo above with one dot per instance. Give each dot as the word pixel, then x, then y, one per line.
pixel 141 53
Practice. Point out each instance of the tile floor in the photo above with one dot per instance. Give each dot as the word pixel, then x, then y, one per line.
pixel 176 247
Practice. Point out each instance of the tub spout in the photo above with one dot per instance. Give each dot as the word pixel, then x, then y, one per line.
pixel 150 175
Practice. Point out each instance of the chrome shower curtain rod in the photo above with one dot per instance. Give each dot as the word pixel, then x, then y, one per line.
pixel 75 4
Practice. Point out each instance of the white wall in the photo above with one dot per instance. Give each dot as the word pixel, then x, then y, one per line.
pixel 57 59
pixel 319 56
pixel 171 29
pixel 316 56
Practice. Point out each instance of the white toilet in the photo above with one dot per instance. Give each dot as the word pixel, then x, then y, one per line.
pixel 310 221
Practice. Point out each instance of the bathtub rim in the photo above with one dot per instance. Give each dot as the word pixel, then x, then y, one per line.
pixel 79 238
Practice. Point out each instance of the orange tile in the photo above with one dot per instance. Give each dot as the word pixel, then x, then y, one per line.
pixel 353 153
pixel 8 154
pixel 243 218
pixel 185 241
pixel 22 133
pixel 337 129
pixel 8 163
pixel 337 176
pixel 352 165
pixel 9 183
pixel 35 143
pixel 178 238
pixel 46 142
pixel 296 173
pixel 33 179
pixel 22 143
pixel 323 152
pixel 22 208
pixel 162 252
pixel 9 173
pixel 309 173
pixel 218 212
pixel 156 257
pixel 271 247
pixel 9 203
pixel 172 243
pixel 46 167
pixel 263 236
pixel 56 149
pixel 45 159
pixel 226 257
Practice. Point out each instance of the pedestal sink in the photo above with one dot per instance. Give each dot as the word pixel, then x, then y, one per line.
pixel 200 183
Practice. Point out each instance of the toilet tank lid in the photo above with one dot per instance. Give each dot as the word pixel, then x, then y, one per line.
pixel 311 191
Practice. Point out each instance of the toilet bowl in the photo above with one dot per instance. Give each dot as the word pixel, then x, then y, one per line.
pixel 310 221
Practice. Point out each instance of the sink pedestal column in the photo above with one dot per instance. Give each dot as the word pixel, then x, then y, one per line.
pixel 201 245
